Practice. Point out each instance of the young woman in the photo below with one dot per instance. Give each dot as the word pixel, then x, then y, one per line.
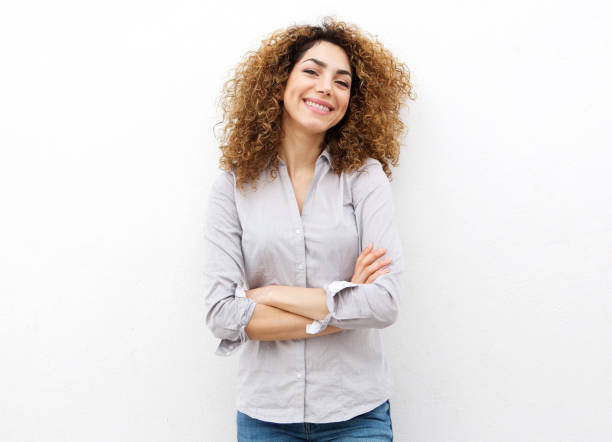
pixel 304 261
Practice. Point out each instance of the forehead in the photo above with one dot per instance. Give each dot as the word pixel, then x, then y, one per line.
pixel 329 53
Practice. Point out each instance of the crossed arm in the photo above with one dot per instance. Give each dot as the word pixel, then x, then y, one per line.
pixel 283 312
pixel 273 324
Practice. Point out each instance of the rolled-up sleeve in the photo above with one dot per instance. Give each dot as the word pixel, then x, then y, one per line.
pixel 228 310
pixel 371 305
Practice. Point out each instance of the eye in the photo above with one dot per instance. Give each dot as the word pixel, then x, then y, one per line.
pixel 343 83
pixel 309 71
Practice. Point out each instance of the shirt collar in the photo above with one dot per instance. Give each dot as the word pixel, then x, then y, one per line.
pixel 326 154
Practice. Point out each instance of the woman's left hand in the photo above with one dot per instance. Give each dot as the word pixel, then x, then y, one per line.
pixel 258 294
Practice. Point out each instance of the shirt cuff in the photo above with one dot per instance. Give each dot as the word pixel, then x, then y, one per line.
pixel 228 346
pixel 331 289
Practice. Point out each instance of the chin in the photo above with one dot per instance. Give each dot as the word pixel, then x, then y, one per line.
pixel 316 128
pixel 317 131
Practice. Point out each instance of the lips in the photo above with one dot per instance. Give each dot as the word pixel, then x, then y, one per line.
pixel 320 103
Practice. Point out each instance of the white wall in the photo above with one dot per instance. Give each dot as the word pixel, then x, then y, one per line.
pixel 503 194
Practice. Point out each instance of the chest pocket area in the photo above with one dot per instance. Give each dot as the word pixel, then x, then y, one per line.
pixel 332 243
pixel 266 249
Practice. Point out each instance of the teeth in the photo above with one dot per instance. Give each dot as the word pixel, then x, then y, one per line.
pixel 318 106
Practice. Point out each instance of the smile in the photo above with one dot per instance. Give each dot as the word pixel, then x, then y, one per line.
pixel 316 107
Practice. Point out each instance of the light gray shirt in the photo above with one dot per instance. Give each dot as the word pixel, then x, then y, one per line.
pixel 259 238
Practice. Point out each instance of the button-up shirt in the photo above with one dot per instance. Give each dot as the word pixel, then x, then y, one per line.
pixel 256 238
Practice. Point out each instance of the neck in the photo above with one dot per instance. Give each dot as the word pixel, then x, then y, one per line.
pixel 299 150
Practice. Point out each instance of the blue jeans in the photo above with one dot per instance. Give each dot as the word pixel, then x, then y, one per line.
pixel 373 426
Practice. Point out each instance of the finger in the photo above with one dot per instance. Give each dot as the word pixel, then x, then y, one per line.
pixel 365 251
pixel 373 255
pixel 375 275
pixel 364 258
pixel 377 264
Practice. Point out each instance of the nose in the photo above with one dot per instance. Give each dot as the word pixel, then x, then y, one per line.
pixel 324 86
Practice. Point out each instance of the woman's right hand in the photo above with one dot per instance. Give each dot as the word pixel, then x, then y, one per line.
pixel 367 269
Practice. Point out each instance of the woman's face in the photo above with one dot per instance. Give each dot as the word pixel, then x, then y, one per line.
pixel 318 89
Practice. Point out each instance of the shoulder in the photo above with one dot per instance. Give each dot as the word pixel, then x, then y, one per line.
pixel 369 179
pixel 370 175
pixel 372 168
pixel 222 189
pixel 224 181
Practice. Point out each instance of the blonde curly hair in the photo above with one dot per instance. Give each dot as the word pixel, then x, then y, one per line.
pixel 252 102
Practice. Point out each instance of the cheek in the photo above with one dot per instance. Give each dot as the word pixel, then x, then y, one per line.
pixel 292 94
pixel 289 87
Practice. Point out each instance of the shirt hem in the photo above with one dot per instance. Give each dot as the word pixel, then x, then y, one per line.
pixel 256 413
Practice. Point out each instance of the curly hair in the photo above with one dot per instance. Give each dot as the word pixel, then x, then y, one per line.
pixel 252 102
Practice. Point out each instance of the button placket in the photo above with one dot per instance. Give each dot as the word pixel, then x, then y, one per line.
pixel 300 256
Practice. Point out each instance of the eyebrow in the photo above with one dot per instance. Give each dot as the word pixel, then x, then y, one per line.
pixel 324 65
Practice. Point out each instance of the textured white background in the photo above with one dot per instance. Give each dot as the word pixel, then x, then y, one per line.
pixel 503 199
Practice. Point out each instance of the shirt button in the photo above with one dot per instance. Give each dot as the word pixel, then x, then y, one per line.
pixel 300 266
pixel 299 375
pixel 297 231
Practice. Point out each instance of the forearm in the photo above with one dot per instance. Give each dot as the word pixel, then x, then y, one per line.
pixel 307 302
pixel 273 324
